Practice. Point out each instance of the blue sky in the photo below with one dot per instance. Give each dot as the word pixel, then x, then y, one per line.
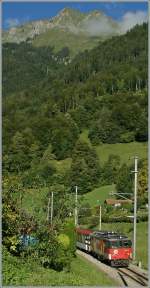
pixel 16 13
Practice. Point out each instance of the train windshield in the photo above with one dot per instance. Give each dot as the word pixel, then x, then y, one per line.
pixel 119 244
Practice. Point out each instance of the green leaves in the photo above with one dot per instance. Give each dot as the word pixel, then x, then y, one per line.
pixel 124 183
pixel 85 168
pixel 52 250
pixel 143 183
pixel 64 135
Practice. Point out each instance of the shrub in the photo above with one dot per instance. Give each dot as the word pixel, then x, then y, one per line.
pixel 53 250
pixel 69 230
pixel 94 222
pixel 127 137
pixel 63 240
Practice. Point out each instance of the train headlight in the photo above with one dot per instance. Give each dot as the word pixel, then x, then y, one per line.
pixel 109 256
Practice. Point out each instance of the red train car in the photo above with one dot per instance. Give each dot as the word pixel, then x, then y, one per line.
pixel 83 239
pixel 110 247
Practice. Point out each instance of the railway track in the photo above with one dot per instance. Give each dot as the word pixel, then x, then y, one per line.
pixel 140 278
pixel 132 277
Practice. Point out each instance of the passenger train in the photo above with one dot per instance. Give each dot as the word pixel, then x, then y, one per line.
pixel 107 246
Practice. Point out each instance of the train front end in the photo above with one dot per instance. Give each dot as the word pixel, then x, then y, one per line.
pixel 111 247
pixel 119 252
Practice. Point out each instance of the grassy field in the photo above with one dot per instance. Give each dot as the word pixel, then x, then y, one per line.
pixel 142 238
pixel 100 194
pixel 30 273
pixel 124 150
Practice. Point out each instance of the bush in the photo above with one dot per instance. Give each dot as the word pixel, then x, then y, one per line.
pixel 53 250
pixel 127 137
pixel 63 240
pixel 94 222
pixel 104 132
pixel 10 268
pixel 69 230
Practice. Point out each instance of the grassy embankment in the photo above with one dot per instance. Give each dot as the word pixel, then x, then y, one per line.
pixel 30 273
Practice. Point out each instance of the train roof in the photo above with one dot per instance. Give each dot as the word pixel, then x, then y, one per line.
pixel 84 231
pixel 110 235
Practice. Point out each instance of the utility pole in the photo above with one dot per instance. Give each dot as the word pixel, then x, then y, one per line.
pixel 20 199
pixel 52 199
pixel 48 209
pixel 135 205
pixel 76 206
pixel 100 217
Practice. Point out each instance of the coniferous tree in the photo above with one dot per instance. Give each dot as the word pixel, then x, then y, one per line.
pixel 124 183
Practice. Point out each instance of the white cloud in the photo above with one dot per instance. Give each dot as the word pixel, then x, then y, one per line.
pixel 12 22
pixel 130 19
pixel 102 26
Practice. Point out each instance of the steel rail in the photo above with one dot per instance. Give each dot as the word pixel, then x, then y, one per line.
pixel 133 275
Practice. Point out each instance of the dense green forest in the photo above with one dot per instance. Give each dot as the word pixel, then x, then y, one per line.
pixel 47 104
pixel 48 101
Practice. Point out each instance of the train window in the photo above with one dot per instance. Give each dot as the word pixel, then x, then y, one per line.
pixel 115 244
pixel 127 243
pixel 119 244
pixel 108 244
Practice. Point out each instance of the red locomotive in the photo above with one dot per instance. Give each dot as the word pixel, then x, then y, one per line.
pixel 110 247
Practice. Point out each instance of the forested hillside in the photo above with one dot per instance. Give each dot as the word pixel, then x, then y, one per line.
pixel 48 103
pixel 107 84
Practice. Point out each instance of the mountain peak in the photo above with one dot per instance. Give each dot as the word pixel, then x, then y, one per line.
pixel 97 12
pixel 68 20
pixel 68 11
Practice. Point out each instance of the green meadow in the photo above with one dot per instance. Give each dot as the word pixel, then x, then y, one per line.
pixel 28 272
pixel 99 194
pixel 126 151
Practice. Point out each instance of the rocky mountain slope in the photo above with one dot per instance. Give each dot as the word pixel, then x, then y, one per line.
pixel 78 31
